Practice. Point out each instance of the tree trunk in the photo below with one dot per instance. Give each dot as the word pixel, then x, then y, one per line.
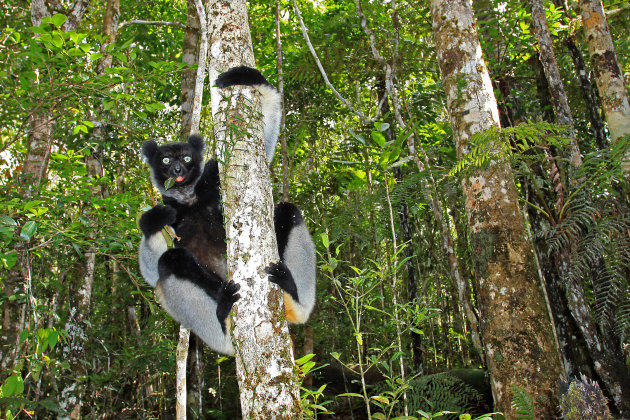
pixel 589 94
pixel 189 57
pixel 520 344
pixel 34 168
pixel 264 355
pixel 181 356
pixel 602 347
pixel 608 74
pixel 283 138
pixel 554 79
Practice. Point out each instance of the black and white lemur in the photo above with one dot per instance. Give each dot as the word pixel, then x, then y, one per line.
pixel 189 279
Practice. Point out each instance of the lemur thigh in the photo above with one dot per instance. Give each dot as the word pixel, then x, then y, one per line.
pixel 196 298
pixel 295 273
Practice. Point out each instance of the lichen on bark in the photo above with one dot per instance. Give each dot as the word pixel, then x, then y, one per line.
pixel 515 326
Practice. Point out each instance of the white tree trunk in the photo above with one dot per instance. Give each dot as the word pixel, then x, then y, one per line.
pixel 264 354
pixel 181 356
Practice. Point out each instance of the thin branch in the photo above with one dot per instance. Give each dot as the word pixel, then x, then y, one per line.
pixel 363 118
pixel 152 22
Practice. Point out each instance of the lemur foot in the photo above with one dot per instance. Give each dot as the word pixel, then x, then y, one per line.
pixel 226 298
pixel 280 274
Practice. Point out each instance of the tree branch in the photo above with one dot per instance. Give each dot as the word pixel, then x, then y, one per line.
pixel 152 22
pixel 363 118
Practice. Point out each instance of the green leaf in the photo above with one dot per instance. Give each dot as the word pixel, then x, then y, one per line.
pixel 378 138
pixel 57 40
pixel 380 399
pixel 75 52
pixel 7 221
pixel 358 137
pixel 95 56
pixel 53 339
pixel 13 385
pixel 350 394
pixel 6 234
pixel 381 126
pixel 325 240
pixel 28 230
pixel 58 20
pixel 76 37
pixel 8 260
pixel 80 128
pixel 169 183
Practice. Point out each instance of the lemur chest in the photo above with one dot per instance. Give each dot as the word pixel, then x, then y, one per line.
pixel 201 231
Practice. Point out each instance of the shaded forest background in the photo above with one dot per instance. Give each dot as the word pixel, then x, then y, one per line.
pixel 395 330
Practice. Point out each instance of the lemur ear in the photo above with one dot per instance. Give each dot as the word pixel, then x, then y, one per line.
pixel 196 141
pixel 149 149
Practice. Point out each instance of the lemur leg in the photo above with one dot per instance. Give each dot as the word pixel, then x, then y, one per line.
pixel 295 273
pixel 196 298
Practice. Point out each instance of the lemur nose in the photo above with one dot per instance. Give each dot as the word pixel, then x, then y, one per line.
pixel 177 169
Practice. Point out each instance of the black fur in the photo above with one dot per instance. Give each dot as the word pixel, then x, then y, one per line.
pixel 177 166
pixel 242 75
pixel 226 298
pixel 192 207
pixel 286 216
pixel 199 254
pixel 155 219
pixel 280 274
pixel 183 265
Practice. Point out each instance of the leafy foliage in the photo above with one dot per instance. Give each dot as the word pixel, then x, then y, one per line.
pixel 444 392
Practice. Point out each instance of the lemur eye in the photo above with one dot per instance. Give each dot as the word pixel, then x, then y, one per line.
pixel 166 161
pixel 187 159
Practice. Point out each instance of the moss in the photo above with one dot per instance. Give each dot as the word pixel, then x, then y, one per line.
pixel 483 247
pixel 583 399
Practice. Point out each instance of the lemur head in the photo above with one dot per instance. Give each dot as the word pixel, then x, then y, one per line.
pixel 180 162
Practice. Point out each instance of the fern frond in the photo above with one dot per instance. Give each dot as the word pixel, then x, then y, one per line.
pixel 522 403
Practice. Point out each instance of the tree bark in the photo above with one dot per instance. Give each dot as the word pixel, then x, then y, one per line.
pixel 283 137
pixel 608 74
pixel 554 79
pixel 181 356
pixel 589 94
pixel 515 325
pixel 602 347
pixel 189 57
pixel 264 354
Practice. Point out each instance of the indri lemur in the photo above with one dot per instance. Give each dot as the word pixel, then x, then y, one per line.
pixel 189 279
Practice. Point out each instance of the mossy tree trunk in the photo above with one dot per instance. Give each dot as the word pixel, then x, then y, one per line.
pixel 264 354
pixel 608 75
pixel 518 334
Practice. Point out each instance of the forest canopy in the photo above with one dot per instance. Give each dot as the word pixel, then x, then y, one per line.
pixel 462 167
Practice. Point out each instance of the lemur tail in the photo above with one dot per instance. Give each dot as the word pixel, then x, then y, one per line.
pixel 271 105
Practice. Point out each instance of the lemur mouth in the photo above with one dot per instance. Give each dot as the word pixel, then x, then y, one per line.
pixel 179 179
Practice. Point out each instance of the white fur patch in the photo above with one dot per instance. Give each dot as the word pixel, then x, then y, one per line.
pixel 150 251
pixel 299 256
pixel 272 116
pixel 193 308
